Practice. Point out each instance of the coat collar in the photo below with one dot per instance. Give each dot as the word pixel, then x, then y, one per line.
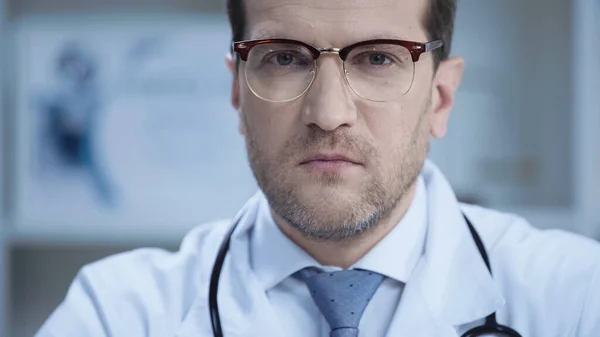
pixel 244 308
pixel 450 286
pixel 455 280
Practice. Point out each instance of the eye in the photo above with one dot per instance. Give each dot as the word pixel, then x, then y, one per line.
pixel 373 59
pixel 380 56
pixel 284 59
pixel 378 59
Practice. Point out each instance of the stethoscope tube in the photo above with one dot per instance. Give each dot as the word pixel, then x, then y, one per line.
pixel 490 326
pixel 213 289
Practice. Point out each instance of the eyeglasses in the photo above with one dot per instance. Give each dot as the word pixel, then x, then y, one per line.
pixel 281 70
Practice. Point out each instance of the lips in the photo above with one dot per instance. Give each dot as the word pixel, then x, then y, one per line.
pixel 329 157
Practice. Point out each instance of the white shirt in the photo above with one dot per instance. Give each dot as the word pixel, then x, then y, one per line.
pixel 274 258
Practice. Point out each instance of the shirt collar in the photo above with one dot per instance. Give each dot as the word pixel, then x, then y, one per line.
pixel 398 253
pixel 274 257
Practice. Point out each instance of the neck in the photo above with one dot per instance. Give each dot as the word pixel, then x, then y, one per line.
pixel 346 253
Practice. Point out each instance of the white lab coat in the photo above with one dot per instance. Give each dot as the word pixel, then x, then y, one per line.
pixel 545 283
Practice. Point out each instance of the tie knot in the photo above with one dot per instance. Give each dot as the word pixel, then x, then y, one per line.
pixel 341 296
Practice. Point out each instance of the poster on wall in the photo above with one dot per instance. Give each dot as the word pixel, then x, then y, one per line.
pixel 126 124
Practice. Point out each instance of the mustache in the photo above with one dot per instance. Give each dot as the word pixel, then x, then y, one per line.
pixel 339 140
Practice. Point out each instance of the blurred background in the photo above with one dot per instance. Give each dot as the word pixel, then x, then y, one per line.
pixel 116 130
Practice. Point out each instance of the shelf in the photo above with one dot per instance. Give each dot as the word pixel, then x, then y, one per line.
pixel 22 8
pixel 109 235
pixel 141 235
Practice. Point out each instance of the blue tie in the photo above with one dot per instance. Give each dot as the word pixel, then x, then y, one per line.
pixel 341 296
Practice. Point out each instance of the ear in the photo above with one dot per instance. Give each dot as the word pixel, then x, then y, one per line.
pixel 235 90
pixel 445 83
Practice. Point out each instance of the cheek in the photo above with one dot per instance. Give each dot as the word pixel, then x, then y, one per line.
pixel 269 125
pixel 391 126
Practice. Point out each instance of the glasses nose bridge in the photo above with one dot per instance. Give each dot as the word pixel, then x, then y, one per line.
pixel 330 50
pixel 343 74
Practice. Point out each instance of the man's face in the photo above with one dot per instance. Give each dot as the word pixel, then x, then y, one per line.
pixel 333 164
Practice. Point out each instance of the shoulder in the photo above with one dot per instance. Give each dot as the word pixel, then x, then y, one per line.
pixel 509 232
pixel 147 265
pixel 131 293
pixel 552 270
pixel 150 286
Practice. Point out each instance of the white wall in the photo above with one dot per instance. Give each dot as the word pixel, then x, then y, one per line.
pixel 509 139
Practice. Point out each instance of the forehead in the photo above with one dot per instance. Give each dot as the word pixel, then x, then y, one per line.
pixel 336 22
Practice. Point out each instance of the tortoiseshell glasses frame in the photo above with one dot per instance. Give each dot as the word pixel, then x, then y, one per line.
pixel 278 90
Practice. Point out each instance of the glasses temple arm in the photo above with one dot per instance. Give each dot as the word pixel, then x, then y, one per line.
pixel 429 46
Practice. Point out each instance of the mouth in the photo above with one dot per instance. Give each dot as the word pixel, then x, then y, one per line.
pixel 329 161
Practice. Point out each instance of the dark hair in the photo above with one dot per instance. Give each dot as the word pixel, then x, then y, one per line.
pixel 438 22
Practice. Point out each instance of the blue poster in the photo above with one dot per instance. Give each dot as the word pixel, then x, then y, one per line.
pixel 126 126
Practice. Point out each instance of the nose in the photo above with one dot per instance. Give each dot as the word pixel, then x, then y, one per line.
pixel 329 103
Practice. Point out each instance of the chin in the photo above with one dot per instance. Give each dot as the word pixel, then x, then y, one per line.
pixel 340 194
pixel 331 202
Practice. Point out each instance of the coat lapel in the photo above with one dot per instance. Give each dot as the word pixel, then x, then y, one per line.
pixel 451 285
pixel 414 316
pixel 244 311
pixel 244 308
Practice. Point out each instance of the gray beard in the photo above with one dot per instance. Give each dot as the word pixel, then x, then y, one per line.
pixel 359 218
pixel 377 201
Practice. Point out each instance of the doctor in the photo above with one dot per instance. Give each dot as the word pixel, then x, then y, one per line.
pixel 354 232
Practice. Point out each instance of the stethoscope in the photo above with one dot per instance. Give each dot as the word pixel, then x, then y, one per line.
pixel 489 328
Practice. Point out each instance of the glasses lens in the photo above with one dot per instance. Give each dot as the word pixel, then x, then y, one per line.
pixel 278 71
pixel 380 72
